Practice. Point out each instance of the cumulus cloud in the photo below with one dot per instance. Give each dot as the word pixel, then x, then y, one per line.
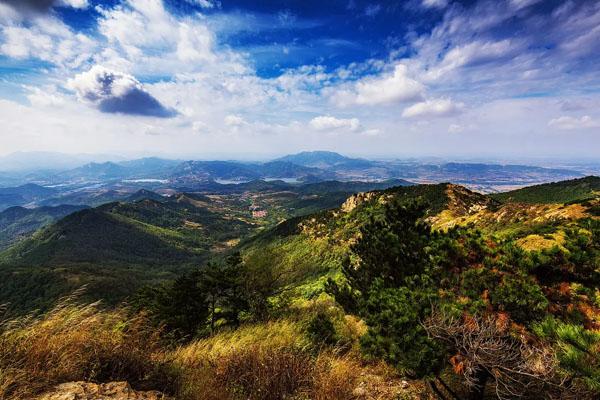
pixel 389 88
pixel 44 37
pixel 116 92
pixel 572 123
pixel 433 108
pixel 328 123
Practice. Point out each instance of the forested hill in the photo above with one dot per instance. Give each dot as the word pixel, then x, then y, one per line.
pixel 556 192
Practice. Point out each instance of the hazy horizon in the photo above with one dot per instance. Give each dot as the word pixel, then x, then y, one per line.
pixel 32 161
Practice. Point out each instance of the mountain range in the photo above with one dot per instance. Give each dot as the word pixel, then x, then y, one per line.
pixel 97 183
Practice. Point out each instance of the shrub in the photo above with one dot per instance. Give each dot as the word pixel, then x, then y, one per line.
pixel 521 297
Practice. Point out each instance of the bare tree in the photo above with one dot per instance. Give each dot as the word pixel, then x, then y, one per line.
pixel 487 349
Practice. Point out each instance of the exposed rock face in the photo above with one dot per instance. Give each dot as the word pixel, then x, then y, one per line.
pixel 354 201
pixel 103 391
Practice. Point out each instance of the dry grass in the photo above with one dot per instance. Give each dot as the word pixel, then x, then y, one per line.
pixel 72 343
pixel 268 361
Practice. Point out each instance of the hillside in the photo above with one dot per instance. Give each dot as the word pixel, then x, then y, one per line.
pixel 17 223
pixel 555 192
pixel 117 247
pixel 318 243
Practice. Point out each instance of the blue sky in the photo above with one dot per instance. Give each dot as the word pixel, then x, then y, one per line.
pixel 479 78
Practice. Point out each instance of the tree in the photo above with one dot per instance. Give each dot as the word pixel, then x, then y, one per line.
pixel 389 282
pixel 198 302
pixel 181 307
pixel 577 350
pixel 223 285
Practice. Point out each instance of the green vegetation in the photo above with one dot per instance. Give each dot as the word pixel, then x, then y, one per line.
pixel 17 223
pixel 556 192
pixel 408 282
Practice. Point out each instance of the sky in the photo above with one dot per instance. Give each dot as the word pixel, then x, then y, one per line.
pixel 251 79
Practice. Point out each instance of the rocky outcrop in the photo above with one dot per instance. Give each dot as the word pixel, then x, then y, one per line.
pixel 103 391
pixel 355 200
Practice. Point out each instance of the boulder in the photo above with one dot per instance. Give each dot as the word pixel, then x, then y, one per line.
pixel 101 391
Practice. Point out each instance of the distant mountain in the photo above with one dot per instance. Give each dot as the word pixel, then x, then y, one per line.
pixel 321 159
pixel 286 169
pixel 191 172
pixel 95 172
pixel 17 223
pixel 555 192
pixel 203 171
pixel 22 195
pixel 150 167
pixel 351 186
pixel 144 194
pixel 39 161
pixel 91 197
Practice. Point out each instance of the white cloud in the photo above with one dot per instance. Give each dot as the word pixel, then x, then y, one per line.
pixel 81 4
pixel 44 37
pixel 455 128
pixel 573 123
pixel 327 123
pixel 44 97
pixel 396 87
pixel 433 108
pixel 234 120
pixel 473 53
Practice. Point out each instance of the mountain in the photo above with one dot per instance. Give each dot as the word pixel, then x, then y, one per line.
pixel 321 159
pixel 49 161
pixel 286 169
pixel 150 167
pixel 18 223
pixel 144 194
pixel 94 172
pixel 22 195
pixel 190 172
pixel 555 192
pixel 92 197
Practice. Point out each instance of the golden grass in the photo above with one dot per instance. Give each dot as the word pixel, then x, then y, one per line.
pixel 74 343
pixel 268 361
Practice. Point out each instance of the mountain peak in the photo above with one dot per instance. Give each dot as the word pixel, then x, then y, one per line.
pixel 315 158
